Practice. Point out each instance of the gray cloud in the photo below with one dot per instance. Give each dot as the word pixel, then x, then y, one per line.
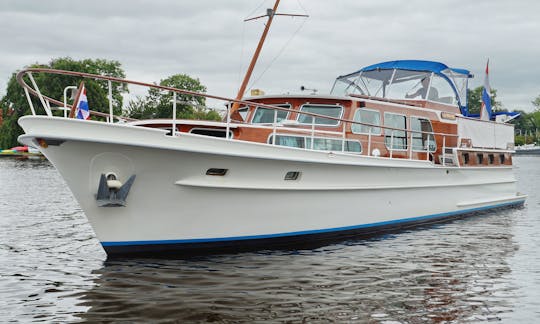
pixel 208 39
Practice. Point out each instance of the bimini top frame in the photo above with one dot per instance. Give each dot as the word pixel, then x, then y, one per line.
pixel 386 73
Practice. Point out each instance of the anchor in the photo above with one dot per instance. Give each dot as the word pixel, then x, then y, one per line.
pixel 111 192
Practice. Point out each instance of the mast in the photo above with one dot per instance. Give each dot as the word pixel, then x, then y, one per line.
pixel 270 14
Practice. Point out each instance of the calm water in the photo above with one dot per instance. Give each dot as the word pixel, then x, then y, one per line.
pixel 52 269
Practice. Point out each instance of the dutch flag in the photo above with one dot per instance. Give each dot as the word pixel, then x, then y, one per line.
pixel 83 111
pixel 485 111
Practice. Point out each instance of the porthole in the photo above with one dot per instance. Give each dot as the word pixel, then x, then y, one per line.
pixel 480 158
pixel 465 158
pixel 292 175
pixel 216 172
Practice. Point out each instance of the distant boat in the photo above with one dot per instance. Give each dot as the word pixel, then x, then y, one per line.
pixel 19 149
pixel 22 152
pixel 379 152
pixel 527 149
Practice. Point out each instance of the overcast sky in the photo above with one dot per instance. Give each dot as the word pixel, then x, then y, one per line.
pixel 208 39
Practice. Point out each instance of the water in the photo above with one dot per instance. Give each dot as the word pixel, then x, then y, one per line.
pixel 52 269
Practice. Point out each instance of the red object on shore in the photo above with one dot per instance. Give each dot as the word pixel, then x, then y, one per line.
pixel 20 148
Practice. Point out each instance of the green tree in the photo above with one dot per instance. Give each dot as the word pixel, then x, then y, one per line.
pixel 527 127
pixel 52 85
pixel 536 118
pixel 158 103
pixel 474 99
pixel 97 90
pixel 536 103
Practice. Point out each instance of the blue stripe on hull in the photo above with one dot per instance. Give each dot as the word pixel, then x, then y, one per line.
pixel 129 247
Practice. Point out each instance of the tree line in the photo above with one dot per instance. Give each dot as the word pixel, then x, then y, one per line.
pixel 155 104
pixel 527 127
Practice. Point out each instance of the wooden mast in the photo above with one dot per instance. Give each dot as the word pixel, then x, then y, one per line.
pixel 234 112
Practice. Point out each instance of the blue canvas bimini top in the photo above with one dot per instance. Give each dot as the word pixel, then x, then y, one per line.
pixel 413 65
pixel 456 78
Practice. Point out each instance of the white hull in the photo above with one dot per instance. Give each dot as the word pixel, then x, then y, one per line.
pixel 173 201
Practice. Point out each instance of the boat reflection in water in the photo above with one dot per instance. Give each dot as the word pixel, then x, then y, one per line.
pixel 452 272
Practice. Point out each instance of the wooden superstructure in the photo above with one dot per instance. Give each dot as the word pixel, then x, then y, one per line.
pixel 441 133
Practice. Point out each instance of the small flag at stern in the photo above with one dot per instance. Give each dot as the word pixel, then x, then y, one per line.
pixel 83 111
pixel 485 111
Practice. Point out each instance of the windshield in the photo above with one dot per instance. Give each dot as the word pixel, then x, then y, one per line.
pixel 405 84
pixel 460 81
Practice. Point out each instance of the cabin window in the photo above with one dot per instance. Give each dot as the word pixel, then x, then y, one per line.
pixel 266 115
pixel 465 158
pixel 395 139
pixel 491 158
pixel 480 158
pixel 243 112
pixel 425 140
pixel 327 110
pixel 372 117
pixel 319 143
pixel 290 141
pixel 501 158
pixel 331 144
pixel 214 132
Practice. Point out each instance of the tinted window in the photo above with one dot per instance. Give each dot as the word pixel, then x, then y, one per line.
pixel 421 141
pixel 266 115
pixel 330 111
pixel 290 141
pixel 243 112
pixel 321 144
pixel 332 144
pixel 369 117
pixel 395 138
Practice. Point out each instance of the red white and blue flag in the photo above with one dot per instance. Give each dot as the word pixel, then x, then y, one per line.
pixel 485 111
pixel 83 111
